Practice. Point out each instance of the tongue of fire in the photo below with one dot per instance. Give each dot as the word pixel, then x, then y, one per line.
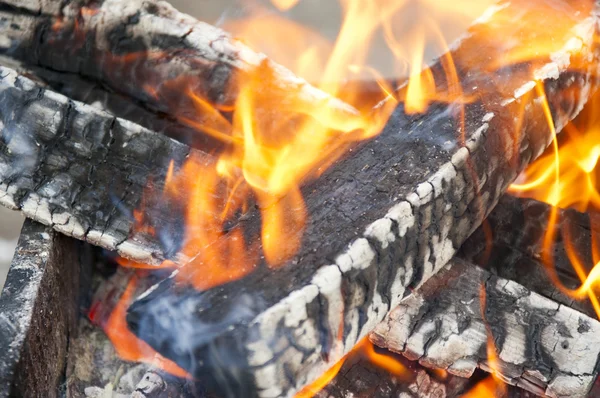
pixel 274 142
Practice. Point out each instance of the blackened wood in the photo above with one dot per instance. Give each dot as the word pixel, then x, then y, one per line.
pixel 541 345
pixel 38 311
pixel 134 45
pixel 91 92
pixel 382 221
pixel 79 169
pixel 359 377
pixel 516 248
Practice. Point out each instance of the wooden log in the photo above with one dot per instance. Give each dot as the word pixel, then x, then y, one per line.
pixel 98 96
pixel 78 169
pixel 516 248
pixel 38 311
pixel 132 45
pixel 541 345
pixel 271 333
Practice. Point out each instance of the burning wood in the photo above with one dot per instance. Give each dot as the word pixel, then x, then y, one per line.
pixel 82 184
pixel 151 52
pixel 382 221
pixel 482 320
pixel 38 312
pixel 360 377
pixel 543 340
pixel 516 250
pixel 280 330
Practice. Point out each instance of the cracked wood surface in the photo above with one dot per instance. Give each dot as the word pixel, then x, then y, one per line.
pixel 542 346
pixel 426 192
pixel 135 44
pixel 38 312
pixel 79 169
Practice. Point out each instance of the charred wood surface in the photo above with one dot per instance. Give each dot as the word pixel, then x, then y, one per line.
pixel 538 344
pixel 382 222
pixel 516 247
pixel 79 169
pixel 90 92
pixel 135 44
pixel 38 311
pixel 359 377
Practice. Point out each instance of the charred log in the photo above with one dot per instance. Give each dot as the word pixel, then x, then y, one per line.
pixel 78 169
pixel 273 332
pixel 538 344
pixel 99 96
pixel 130 45
pixel 39 311
pixel 516 247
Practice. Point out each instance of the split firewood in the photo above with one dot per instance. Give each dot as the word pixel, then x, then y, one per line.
pixel 38 312
pixel 480 320
pixel 76 168
pixel 149 51
pixel 382 221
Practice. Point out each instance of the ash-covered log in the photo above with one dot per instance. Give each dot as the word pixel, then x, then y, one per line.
pixel 79 169
pixel 514 253
pixel 537 344
pixel 383 220
pixel 149 51
pixel 38 311
pixel 94 93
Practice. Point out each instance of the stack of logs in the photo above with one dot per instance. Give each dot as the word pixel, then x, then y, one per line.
pixel 385 221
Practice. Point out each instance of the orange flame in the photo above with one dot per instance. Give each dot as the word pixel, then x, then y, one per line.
pixel 493 361
pixel 364 349
pixel 274 140
pixel 267 159
pixel 567 177
pixel 128 346
pixel 486 388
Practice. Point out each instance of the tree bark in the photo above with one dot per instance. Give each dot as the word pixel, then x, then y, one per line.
pixel 39 311
pixel 382 222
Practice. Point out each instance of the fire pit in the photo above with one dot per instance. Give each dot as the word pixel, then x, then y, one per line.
pixel 206 222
